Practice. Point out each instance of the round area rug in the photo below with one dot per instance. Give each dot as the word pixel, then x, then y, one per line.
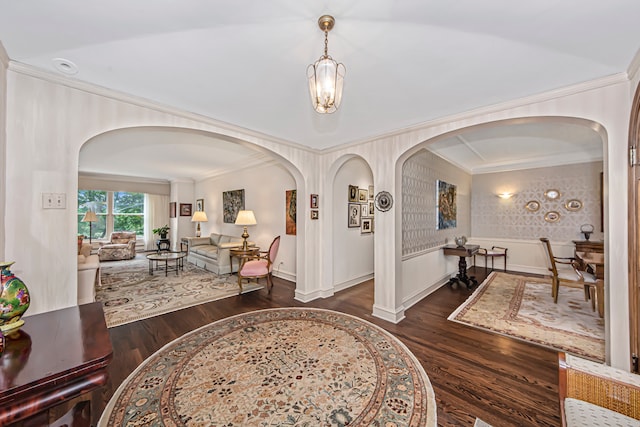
pixel 290 366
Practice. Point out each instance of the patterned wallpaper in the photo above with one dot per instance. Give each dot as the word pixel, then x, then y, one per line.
pixel 496 217
pixel 419 175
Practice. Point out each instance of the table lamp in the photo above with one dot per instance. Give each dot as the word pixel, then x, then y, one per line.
pixel 199 216
pixel 89 217
pixel 245 218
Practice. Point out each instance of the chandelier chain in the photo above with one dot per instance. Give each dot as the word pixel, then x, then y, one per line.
pixel 326 42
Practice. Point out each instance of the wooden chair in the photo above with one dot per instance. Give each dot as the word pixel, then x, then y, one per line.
pixel 570 276
pixel 260 265
pixel 596 394
pixel 494 252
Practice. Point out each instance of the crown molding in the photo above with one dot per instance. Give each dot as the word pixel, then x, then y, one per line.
pixel 634 66
pixel 121 178
pixel 93 89
pixel 4 56
pixel 494 108
pixel 255 161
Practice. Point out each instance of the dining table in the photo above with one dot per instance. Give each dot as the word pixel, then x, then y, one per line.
pixel 594 263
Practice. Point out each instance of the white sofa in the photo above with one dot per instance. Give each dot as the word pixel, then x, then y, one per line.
pixel 212 252
pixel 88 275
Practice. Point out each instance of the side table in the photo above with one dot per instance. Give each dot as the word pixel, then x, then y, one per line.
pixel 163 245
pixel 242 255
pixel 463 252
pixel 53 358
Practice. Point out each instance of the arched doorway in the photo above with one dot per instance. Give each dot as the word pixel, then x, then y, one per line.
pixel 634 229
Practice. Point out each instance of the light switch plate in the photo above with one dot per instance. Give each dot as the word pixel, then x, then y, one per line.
pixel 54 200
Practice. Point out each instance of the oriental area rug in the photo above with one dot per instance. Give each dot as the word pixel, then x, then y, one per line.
pixel 129 293
pixel 522 307
pixel 278 367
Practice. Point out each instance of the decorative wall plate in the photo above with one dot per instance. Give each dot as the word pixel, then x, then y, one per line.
pixel 384 201
pixel 532 205
pixel 552 194
pixel 573 205
pixel 552 216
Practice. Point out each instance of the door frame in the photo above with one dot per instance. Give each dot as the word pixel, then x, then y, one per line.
pixel 634 229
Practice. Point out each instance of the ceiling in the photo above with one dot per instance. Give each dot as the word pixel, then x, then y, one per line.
pixel 244 62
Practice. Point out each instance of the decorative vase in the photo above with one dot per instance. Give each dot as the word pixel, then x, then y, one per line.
pixel 14 300
pixel 460 241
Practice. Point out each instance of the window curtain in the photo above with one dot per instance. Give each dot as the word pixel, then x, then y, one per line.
pixel 156 214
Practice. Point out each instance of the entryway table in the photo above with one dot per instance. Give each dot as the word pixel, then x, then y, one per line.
pixel 463 252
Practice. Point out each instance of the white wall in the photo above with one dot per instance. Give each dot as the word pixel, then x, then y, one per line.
pixel 352 251
pixel 43 144
pixel 181 226
pixel 264 192
pixel 4 61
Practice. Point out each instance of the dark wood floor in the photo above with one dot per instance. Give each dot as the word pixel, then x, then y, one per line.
pixel 474 373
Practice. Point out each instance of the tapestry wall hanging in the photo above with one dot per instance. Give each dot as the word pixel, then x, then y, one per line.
pixel 290 209
pixel 232 203
pixel 445 205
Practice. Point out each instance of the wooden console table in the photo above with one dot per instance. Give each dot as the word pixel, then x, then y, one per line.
pixel 463 252
pixel 54 357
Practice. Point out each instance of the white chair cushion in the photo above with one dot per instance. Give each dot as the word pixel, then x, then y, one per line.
pixel 571 275
pixel 581 413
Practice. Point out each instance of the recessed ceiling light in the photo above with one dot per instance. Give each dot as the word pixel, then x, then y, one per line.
pixel 65 66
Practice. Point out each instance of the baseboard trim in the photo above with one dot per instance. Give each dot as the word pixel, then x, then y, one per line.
pixel 353 282
pixel 390 316
pixel 418 296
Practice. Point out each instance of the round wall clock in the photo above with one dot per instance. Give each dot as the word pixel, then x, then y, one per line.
pixel 384 201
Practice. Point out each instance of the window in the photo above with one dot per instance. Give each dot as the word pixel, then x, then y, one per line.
pixel 116 211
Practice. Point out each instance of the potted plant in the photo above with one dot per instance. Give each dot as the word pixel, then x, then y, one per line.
pixel 161 231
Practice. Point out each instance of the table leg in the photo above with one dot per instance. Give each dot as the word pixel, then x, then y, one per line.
pixel 151 267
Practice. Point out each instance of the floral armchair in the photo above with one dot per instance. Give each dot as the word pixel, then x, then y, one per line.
pixel 121 246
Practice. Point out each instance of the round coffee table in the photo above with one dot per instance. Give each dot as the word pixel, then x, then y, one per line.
pixel 156 260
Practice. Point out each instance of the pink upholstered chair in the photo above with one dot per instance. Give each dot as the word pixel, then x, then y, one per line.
pixel 260 266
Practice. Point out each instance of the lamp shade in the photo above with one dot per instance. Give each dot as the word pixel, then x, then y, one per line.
pixel 199 216
pixel 246 218
pixel 89 216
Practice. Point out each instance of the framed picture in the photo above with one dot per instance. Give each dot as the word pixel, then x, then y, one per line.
pixel 232 203
pixel 290 211
pixel 314 201
pixel 446 207
pixel 363 195
pixel 367 225
pixel 353 219
pixel 199 205
pixel 371 192
pixel 364 211
pixel 172 209
pixel 371 207
pixel 185 209
pixel 353 193
pixel 552 216
pixel 315 214
pixel 532 206
pixel 573 205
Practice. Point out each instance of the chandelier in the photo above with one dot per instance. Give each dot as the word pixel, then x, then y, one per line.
pixel 326 76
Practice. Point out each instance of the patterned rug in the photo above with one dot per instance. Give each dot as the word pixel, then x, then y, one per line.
pixel 522 307
pixel 278 367
pixel 130 293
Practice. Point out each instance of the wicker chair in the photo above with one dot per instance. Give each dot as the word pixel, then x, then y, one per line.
pixel 594 394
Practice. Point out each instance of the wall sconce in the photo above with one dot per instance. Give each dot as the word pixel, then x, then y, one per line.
pixel 505 195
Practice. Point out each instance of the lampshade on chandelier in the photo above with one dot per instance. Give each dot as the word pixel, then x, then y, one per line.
pixel 326 76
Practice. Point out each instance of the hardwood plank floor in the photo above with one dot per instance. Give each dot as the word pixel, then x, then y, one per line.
pixel 503 381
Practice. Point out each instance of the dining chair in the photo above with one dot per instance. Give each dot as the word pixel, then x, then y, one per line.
pixel 569 274
pixel 260 265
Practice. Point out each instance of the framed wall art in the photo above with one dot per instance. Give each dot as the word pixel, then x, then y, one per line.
pixel 199 205
pixel 532 206
pixel 290 211
pixel 172 209
pixel 232 203
pixel 573 205
pixel 314 201
pixel 371 195
pixel 552 216
pixel 353 193
pixel 315 214
pixel 185 209
pixel 367 225
pixel 353 218
pixel 363 195
pixel 446 207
